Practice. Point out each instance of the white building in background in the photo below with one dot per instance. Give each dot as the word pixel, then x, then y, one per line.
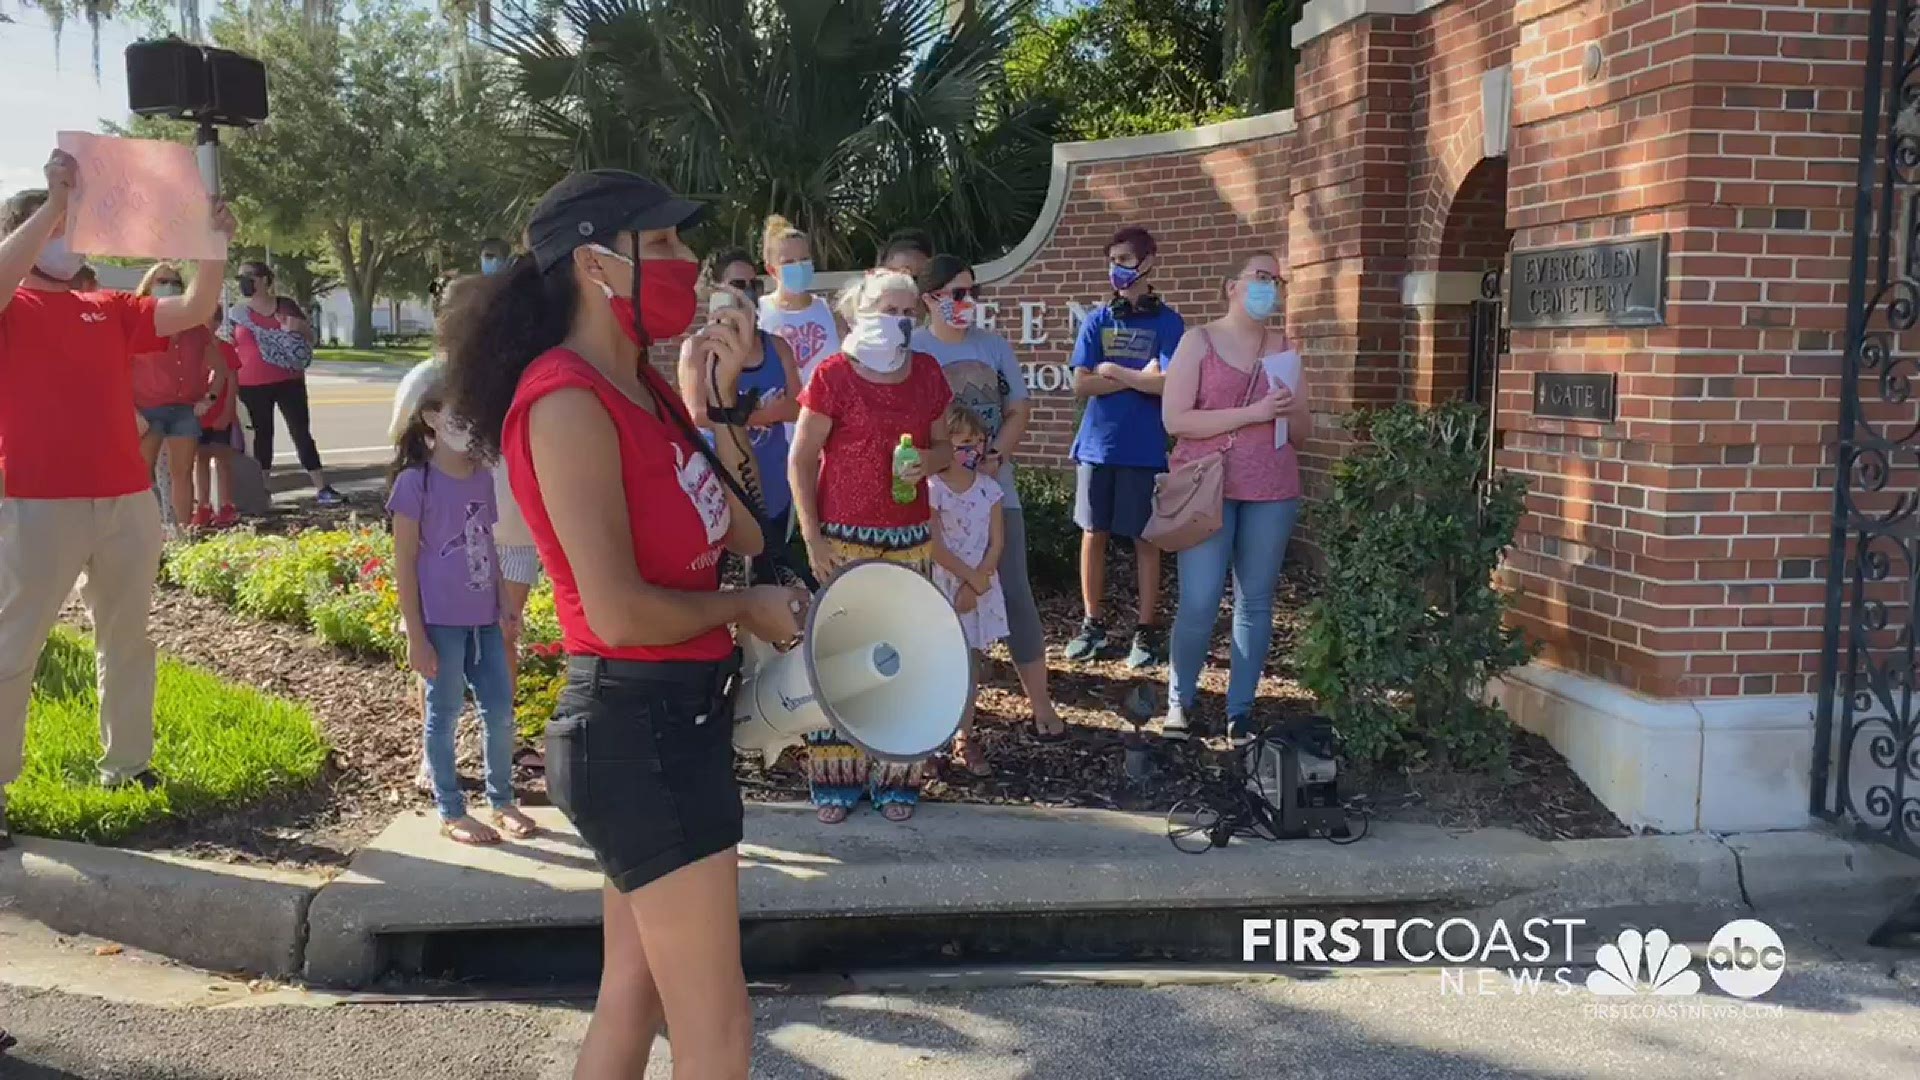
pixel 333 315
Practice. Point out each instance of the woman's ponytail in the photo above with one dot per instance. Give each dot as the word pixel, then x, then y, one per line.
pixel 491 329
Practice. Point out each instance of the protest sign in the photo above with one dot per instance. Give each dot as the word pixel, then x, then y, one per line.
pixel 139 198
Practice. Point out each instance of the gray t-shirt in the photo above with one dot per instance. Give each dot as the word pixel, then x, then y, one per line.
pixel 986 378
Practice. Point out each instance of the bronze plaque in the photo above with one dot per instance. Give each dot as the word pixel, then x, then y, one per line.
pixel 1611 283
pixel 1568 396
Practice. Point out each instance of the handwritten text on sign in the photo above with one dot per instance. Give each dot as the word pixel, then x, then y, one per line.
pixel 139 198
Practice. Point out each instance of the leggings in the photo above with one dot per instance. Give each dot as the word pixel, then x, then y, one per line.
pixel 291 398
pixel 1026 640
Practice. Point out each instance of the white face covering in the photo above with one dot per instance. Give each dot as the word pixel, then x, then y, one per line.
pixel 879 342
pixel 451 433
pixel 58 261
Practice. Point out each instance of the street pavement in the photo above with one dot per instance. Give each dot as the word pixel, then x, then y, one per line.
pixel 1835 1013
pixel 351 404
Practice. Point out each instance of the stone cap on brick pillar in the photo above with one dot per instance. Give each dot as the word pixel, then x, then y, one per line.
pixel 1067 155
pixel 1322 17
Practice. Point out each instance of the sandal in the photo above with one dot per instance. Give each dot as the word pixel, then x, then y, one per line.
pixel 830 815
pixel 897 811
pixel 514 823
pixel 465 830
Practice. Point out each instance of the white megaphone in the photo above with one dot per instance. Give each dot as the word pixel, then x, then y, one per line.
pixel 883 662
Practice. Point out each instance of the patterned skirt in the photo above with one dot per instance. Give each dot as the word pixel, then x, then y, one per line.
pixel 838 772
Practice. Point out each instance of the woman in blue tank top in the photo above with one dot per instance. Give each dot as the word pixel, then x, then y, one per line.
pixel 776 379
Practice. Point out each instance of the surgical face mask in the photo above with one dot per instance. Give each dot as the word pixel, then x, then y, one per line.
pixel 879 342
pixel 492 264
pixel 797 277
pixel 1259 298
pixel 169 289
pixel 58 261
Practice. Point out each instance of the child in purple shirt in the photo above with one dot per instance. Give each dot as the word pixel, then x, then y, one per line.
pixel 448 574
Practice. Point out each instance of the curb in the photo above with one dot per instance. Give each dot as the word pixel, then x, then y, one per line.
pixel 236 918
pixel 211 915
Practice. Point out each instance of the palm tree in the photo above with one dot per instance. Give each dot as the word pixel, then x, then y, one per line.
pixel 850 117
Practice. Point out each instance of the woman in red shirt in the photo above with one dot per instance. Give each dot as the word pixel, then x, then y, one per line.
pixel 170 388
pixel 853 412
pixel 547 362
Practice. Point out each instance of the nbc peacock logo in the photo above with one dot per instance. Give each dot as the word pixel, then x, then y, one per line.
pixel 1650 963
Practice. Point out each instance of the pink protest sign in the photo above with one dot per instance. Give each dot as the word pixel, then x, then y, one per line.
pixel 139 198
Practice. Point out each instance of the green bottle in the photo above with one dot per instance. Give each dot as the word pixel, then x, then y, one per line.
pixel 904 456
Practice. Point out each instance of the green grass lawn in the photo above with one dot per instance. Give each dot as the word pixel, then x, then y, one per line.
pixel 408 355
pixel 217 745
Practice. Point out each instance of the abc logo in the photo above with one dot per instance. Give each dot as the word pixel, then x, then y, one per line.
pixel 1746 958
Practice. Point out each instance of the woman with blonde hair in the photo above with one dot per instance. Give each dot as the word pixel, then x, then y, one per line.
pixel 791 311
pixel 173 388
pixel 853 413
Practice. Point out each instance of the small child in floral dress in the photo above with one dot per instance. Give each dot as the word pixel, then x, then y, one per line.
pixel 968 535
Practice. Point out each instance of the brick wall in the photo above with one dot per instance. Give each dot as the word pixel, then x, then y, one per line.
pixel 1677 551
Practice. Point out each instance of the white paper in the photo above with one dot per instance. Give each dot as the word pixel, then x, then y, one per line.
pixel 1282 367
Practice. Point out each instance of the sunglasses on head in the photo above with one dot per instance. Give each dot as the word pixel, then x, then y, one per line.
pixel 750 286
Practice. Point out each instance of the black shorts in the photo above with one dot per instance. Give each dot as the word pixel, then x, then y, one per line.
pixel 217 437
pixel 1116 499
pixel 640 759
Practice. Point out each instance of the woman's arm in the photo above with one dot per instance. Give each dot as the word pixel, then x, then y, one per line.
pixel 803 470
pixel 576 454
pixel 1177 409
pixel 784 409
pixel 691 371
pixel 219 377
pixel 729 340
pixel 937 457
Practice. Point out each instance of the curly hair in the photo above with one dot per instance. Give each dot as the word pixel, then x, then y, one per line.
pixel 491 329
pixel 867 289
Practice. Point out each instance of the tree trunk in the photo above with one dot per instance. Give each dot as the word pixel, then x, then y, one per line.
pixel 362 320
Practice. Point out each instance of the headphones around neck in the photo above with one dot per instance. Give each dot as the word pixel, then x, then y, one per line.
pixel 1146 305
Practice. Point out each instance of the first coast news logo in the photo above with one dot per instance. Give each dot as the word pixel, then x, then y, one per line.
pixel 1745 958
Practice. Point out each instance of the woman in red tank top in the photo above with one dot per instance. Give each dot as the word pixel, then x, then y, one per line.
pixel 547 362
pixel 1230 386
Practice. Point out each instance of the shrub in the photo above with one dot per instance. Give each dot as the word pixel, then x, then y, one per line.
pixel 312 566
pixel 1409 628
pixel 364 620
pixel 216 745
pixel 1053 540
pixel 213 568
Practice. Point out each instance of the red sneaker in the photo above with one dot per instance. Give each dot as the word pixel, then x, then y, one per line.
pixel 202 517
pixel 227 518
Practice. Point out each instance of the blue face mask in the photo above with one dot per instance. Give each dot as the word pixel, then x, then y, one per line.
pixel 1260 298
pixel 492 264
pixel 1124 277
pixel 797 277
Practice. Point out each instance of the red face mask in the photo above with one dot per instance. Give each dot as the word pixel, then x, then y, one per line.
pixel 667 301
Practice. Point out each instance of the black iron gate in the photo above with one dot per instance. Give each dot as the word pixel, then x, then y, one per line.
pixel 1486 341
pixel 1866 754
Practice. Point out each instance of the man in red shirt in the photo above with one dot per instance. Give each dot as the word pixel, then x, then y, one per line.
pixel 75 486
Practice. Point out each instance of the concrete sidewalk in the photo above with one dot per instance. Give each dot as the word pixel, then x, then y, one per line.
pixel 951 867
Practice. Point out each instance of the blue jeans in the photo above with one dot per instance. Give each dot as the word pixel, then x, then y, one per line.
pixel 476 657
pixel 1252 542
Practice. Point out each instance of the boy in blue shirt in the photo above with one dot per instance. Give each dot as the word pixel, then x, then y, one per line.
pixel 1119 365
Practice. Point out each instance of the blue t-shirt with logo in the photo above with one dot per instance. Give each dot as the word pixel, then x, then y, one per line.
pixel 1124 427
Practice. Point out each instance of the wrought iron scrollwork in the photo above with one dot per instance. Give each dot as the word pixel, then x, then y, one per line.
pixel 1866 768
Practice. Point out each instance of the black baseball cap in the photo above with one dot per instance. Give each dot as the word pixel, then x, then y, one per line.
pixel 595 206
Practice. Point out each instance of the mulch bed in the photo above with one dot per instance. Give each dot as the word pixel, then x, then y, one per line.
pixel 370 714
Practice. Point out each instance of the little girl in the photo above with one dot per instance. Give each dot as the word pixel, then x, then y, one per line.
pixel 967 537
pixel 448 576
